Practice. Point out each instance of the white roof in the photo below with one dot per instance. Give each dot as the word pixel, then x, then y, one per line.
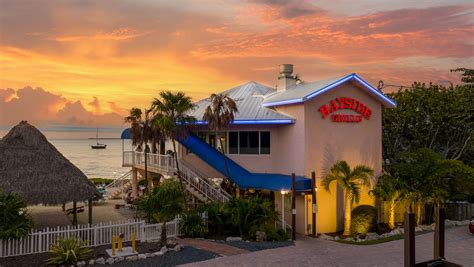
pixel 249 98
pixel 255 101
pixel 304 91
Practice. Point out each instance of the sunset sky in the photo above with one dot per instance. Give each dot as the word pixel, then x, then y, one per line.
pixel 84 62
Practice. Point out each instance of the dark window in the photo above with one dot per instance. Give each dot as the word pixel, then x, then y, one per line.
pixel 264 142
pixel 233 142
pixel 248 142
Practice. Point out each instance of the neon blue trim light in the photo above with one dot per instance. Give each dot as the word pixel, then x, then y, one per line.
pixel 253 122
pixel 326 88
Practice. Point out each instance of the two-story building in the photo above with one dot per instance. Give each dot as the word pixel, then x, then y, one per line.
pixel 298 127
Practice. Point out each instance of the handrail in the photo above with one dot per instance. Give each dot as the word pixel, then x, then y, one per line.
pixel 203 185
pixel 113 184
pixel 203 177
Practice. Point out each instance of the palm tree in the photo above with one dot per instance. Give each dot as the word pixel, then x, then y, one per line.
pixel 389 189
pixel 219 114
pixel 142 133
pixel 163 204
pixel 350 180
pixel 170 114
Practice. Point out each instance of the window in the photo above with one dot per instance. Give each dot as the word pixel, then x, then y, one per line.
pixel 264 142
pixel 248 142
pixel 233 142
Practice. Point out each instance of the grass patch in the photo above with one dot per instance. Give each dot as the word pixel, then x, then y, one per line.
pixel 372 242
pixel 99 181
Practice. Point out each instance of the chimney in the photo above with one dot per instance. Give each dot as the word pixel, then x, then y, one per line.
pixel 285 78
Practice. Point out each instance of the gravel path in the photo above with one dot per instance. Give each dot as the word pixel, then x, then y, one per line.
pixel 186 255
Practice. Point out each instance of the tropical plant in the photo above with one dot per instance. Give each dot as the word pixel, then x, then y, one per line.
pixel 428 178
pixel 219 115
pixel 350 180
pixel 246 212
pixel 68 251
pixel 192 225
pixel 170 114
pixel 363 221
pixel 163 204
pixel 14 218
pixel 431 116
pixel 391 190
pixel 142 132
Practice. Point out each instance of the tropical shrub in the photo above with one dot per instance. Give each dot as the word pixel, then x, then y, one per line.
pixel 14 218
pixel 237 216
pixel 68 251
pixel 163 204
pixel 246 212
pixel 192 225
pixel 364 218
pixel 271 232
pixel 350 180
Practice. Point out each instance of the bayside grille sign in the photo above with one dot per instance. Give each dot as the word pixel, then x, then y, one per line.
pixel 345 103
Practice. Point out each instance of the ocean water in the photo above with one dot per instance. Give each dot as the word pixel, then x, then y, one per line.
pixel 103 163
pixel 74 144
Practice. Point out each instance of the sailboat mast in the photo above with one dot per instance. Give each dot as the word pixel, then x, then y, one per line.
pixel 97 136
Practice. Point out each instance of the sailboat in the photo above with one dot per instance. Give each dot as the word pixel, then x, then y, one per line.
pixel 98 145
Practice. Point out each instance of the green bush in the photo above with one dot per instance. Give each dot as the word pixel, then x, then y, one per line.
pixel 100 181
pixel 14 218
pixel 192 225
pixel 238 215
pixel 68 251
pixel 271 232
pixel 363 219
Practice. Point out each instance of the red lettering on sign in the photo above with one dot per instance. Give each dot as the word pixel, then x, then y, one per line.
pixel 346 103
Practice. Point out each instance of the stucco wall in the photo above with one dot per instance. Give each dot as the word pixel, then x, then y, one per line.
pixel 328 142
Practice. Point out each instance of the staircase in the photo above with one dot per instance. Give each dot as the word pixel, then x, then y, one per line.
pixel 199 186
pixel 119 185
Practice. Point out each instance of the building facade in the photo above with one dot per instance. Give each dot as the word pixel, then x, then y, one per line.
pixel 297 127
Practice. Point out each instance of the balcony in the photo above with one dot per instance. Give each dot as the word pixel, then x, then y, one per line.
pixel 155 162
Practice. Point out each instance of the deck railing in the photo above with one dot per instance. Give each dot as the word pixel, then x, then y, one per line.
pixel 154 161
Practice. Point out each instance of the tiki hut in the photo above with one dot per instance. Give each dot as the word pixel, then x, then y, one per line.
pixel 34 168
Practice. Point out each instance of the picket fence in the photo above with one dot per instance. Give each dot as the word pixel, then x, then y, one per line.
pixel 39 241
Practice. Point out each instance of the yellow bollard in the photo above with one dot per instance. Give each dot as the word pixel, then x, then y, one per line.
pixel 113 245
pixel 133 242
pixel 120 242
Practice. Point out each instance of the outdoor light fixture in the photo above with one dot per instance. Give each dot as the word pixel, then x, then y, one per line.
pixel 283 192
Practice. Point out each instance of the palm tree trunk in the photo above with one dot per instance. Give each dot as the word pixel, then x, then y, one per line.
pixel 178 171
pixel 391 215
pixel 347 216
pixel 163 234
pixel 146 171
pixel 418 213
pixel 225 158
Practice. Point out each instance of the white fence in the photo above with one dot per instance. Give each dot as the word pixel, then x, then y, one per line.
pixel 94 235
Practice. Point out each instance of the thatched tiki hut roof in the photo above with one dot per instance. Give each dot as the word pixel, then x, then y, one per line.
pixel 34 168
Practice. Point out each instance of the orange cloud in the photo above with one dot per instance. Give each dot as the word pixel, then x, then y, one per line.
pixel 115 35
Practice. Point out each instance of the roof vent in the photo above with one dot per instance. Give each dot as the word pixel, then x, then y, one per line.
pixel 285 78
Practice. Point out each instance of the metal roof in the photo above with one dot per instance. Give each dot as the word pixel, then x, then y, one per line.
pixel 249 98
pixel 304 91
pixel 256 101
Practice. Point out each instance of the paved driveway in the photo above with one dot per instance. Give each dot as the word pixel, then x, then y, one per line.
pixel 310 252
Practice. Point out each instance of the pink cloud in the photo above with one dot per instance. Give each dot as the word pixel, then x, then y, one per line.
pixel 41 107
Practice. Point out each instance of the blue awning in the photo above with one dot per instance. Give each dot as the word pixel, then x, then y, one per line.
pixel 126 134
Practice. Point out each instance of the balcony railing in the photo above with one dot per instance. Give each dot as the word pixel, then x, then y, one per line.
pixel 154 161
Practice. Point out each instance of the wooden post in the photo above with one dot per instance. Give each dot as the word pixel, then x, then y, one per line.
pixel 90 211
pixel 409 239
pixel 439 234
pixel 74 213
pixel 64 206
pixel 293 207
pixel 313 200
